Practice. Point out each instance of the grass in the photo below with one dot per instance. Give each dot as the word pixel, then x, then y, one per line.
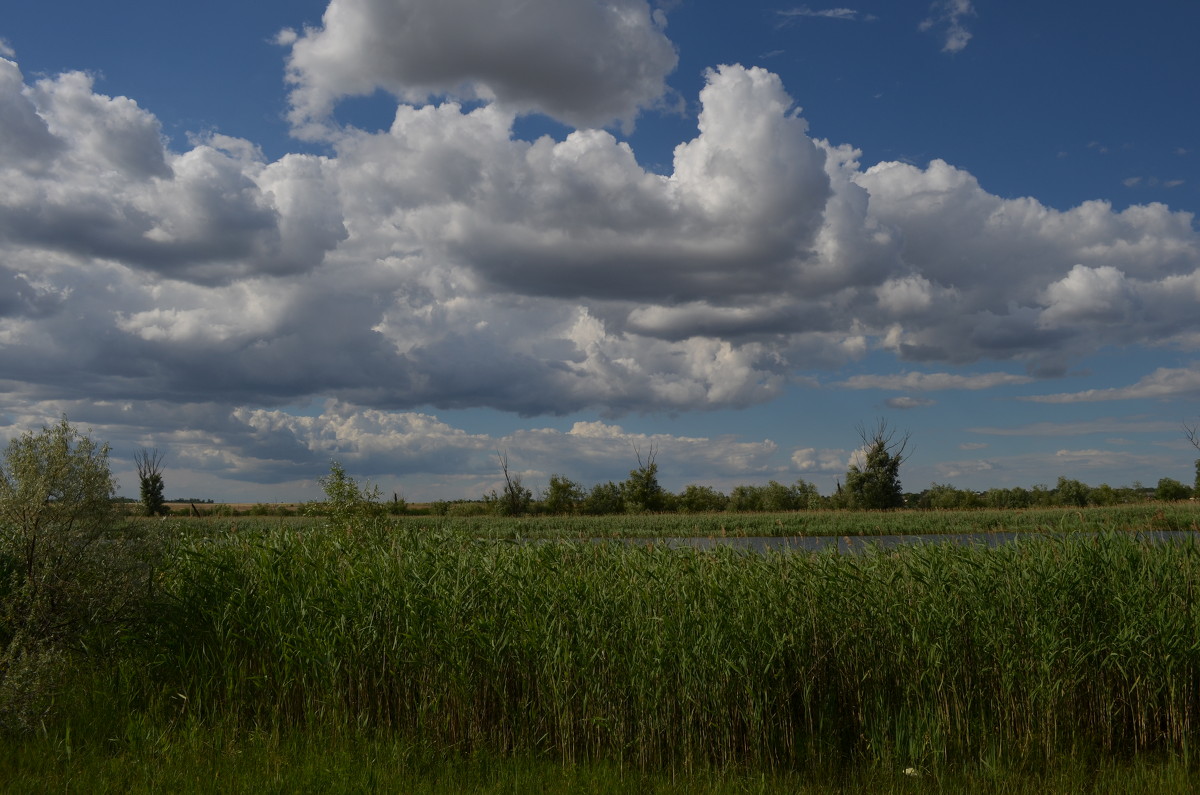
pixel 286 656
pixel 682 658
pixel 204 759
pixel 1139 517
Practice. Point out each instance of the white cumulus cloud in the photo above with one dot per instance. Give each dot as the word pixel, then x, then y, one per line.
pixel 586 62
pixel 446 263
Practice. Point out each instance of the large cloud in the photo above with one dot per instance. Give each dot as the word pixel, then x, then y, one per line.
pixel 581 218
pixel 444 262
pixel 1016 279
pixel 88 176
pixel 586 62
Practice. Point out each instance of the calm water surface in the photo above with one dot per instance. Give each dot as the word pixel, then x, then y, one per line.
pixel 849 544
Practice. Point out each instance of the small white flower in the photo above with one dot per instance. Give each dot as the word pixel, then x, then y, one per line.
pixel 911 771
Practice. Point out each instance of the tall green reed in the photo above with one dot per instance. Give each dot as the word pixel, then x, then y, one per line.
pixel 922 656
pixel 1141 516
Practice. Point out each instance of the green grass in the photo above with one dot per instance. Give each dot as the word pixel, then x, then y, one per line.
pixel 927 656
pixel 1142 516
pixel 206 759
pixel 286 656
pixel 1146 516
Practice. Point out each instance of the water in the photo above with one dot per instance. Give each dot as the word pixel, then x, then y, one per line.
pixel 856 544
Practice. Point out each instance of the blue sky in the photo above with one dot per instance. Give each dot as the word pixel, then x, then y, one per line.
pixel 406 234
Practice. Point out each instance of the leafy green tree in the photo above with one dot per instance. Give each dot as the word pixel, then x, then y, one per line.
pixel 68 577
pixel 150 481
pixel 775 497
pixel 563 495
pixel 946 497
pixel 746 498
pixel 701 499
pixel 1104 494
pixel 1042 495
pixel 806 495
pixel 939 496
pixel 603 499
pixel 1171 490
pixel 875 485
pixel 998 498
pixel 1072 492
pixel 641 492
pixel 778 497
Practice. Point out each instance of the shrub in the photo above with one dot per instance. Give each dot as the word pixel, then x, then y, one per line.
pixel 702 499
pixel 1170 490
pixel 349 506
pixel 70 578
pixel 604 498
pixel 563 495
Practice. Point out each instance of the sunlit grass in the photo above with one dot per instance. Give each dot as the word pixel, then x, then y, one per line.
pixel 924 656
pixel 1143 516
pixel 1137 517
pixel 435 656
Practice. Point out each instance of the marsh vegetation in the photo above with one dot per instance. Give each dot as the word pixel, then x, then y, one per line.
pixel 359 650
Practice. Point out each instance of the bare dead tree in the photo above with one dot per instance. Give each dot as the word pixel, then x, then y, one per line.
pixel 1192 432
pixel 883 437
pixel 516 498
pixel 650 456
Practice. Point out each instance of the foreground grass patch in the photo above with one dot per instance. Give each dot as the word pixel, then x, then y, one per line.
pixel 653 658
pixel 208 759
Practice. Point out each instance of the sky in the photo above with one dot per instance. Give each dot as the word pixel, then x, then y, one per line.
pixel 408 235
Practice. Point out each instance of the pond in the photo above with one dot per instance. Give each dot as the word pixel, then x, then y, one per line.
pixel 854 544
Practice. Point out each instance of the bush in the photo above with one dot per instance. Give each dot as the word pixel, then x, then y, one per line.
pixel 603 499
pixel 563 496
pixel 70 578
pixel 1170 490
pixel 1072 492
pixel 701 499
pixel 348 505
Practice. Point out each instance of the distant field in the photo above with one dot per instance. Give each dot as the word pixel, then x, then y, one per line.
pixel 1123 518
pixel 269 508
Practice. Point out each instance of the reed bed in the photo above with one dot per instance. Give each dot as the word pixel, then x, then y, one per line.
pixel 1142 516
pixel 1134 517
pixel 642 655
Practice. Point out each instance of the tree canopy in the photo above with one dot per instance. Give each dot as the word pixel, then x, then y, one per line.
pixel 874 482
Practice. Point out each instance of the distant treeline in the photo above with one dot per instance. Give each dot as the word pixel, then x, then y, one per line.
pixel 642 494
pixel 564 496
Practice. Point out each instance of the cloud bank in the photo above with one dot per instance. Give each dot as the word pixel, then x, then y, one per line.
pixel 445 262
